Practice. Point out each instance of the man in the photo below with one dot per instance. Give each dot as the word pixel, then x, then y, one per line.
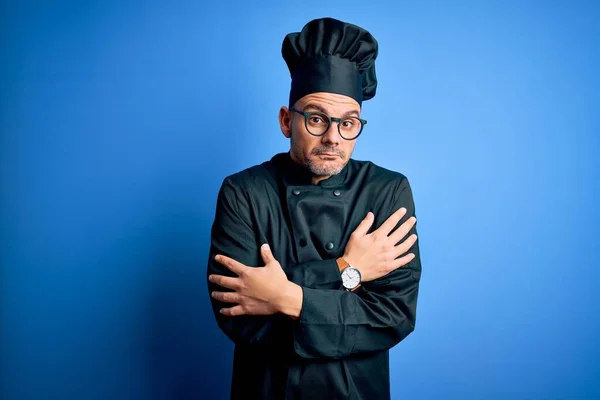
pixel 314 264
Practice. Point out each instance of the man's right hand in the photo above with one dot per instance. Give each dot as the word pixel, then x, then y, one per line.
pixel 376 254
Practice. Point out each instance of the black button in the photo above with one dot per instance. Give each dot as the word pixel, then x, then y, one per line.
pixel 329 246
pixel 303 243
pixel 336 193
pixel 296 192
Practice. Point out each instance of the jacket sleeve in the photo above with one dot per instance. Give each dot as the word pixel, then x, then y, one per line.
pixel 377 316
pixel 234 235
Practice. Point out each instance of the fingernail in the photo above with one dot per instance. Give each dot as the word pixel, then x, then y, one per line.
pixel 265 246
pixel 369 215
pixel 403 210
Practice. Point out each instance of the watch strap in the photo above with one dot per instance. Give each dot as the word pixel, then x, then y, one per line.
pixel 342 264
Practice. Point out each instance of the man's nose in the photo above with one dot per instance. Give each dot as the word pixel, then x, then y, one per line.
pixel 331 135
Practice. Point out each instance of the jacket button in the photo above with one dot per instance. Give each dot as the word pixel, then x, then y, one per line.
pixel 303 243
pixel 296 192
pixel 329 246
pixel 336 193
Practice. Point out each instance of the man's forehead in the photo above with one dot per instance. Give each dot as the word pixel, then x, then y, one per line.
pixel 329 101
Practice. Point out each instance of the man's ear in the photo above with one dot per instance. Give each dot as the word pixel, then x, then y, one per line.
pixel 285 121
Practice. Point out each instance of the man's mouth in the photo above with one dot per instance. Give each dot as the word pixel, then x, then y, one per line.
pixel 328 154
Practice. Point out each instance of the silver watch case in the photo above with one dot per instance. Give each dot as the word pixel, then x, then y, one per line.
pixel 351 278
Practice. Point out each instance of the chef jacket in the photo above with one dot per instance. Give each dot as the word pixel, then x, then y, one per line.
pixel 339 347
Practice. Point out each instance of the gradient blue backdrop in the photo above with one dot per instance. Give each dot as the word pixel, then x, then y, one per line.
pixel 120 119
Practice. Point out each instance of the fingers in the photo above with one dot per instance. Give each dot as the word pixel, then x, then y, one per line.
pixel 233 311
pixel 403 230
pixel 365 224
pixel 402 261
pixel 392 221
pixel 231 264
pixel 265 252
pixel 405 246
pixel 227 297
pixel 225 281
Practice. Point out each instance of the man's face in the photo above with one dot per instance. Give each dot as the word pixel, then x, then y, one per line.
pixel 324 155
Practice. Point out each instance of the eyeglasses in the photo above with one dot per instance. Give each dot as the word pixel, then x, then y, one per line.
pixel 318 123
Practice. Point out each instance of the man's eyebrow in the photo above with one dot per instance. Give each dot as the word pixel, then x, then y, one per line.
pixel 314 106
pixel 321 109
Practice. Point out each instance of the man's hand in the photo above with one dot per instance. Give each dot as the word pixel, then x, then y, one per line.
pixel 376 254
pixel 257 290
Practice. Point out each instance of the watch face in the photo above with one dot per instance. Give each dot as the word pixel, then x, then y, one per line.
pixel 350 278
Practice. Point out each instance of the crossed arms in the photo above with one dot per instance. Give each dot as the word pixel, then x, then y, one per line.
pixel 256 301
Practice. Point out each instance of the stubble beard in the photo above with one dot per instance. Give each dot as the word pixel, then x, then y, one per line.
pixel 323 168
pixel 320 167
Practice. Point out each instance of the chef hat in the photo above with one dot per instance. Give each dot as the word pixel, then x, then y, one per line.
pixel 332 56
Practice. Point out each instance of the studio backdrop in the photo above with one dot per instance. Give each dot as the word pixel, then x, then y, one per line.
pixel 120 120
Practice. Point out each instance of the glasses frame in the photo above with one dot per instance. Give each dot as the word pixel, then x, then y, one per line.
pixel 308 114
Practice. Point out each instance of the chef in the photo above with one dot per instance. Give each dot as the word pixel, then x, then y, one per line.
pixel 314 263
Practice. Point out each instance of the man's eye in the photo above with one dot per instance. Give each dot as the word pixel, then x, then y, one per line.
pixel 316 120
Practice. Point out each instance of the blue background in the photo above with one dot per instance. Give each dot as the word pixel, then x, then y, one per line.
pixel 120 120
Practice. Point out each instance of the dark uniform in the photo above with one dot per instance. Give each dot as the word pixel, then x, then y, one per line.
pixel 338 348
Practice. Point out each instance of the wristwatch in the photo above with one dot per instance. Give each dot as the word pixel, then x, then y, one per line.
pixel 351 279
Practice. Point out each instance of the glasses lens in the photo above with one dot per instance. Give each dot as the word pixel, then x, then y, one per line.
pixel 317 123
pixel 350 128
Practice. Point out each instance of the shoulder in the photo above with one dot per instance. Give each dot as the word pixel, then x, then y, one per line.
pixel 377 175
pixel 250 179
pixel 386 187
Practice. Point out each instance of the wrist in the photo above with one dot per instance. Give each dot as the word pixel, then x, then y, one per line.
pixel 349 260
pixel 350 275
pixel 290 301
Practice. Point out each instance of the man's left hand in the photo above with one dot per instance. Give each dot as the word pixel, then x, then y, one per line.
pixel 256 290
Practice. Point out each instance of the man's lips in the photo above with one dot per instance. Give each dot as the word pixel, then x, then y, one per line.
pixel 328 154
